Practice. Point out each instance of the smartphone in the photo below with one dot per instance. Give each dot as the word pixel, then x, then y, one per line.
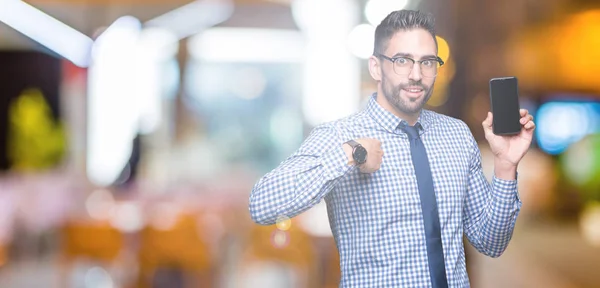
pixel 504 102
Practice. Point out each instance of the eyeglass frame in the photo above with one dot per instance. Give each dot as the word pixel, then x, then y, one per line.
pixel 394 59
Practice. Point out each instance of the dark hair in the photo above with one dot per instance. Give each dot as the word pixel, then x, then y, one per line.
pixel 402 20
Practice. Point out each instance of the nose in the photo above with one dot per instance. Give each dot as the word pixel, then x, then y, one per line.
pixel 415 73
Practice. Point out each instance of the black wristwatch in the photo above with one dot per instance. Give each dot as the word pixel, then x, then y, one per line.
pixel 359 153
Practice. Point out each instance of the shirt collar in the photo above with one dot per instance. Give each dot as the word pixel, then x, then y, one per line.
pixel 391 122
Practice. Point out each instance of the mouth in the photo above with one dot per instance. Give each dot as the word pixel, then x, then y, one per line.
pixel 413 92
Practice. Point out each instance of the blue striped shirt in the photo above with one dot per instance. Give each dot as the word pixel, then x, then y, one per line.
pixel 376 218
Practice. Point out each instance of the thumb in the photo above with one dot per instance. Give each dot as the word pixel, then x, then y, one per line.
pixel 487 123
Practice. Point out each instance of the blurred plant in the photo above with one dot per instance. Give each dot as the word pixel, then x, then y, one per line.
pixel 35 140
pixel 581 166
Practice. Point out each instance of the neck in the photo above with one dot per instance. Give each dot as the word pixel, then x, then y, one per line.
pixel 383 102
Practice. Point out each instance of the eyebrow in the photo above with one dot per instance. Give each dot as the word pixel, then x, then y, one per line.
pixel 408 55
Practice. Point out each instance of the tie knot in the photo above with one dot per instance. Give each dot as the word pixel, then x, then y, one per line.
pixel 411 131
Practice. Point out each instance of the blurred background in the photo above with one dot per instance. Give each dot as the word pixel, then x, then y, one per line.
pixel 132 132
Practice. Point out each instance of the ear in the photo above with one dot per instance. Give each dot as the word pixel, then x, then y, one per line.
pixel 375 68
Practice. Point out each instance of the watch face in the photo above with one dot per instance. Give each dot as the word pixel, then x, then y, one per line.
pixel 360 155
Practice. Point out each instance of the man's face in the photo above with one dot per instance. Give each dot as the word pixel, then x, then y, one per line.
pixel 408 93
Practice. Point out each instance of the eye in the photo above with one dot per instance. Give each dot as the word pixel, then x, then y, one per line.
pixel 402 61
pixel 427 63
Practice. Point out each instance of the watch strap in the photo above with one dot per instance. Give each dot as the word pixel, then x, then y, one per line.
pixel 353 143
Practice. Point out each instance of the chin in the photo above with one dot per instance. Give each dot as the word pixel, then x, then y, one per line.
pixel 411 105
pixel 412 109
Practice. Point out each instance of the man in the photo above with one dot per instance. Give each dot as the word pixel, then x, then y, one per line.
pixel 401 183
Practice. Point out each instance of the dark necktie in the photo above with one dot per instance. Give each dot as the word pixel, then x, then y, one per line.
pixel 435 253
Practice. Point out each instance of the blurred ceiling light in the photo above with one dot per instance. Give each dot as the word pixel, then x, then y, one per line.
pixel 49 32
pixel 155 46
pixel 123 32
pixel 125 80
pixel 159 43
pixel 194 17
pixel 247 45
pixel 313 16
pixel 377 10
pixel 331 88
pixel 361 41
pixel 112 104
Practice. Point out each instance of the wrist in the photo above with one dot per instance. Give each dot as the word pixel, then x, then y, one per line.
pixel 348 151
pixel 505 170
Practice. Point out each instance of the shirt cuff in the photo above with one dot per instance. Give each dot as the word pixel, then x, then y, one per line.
pixel 335 163
pixel 505 190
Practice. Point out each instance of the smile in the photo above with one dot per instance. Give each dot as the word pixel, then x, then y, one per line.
pixel 413 90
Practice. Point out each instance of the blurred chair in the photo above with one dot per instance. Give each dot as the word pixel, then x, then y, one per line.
pixel 98 242
pixel 168 255
pixel 275 257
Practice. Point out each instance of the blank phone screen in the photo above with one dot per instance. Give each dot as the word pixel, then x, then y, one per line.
pixel 504 95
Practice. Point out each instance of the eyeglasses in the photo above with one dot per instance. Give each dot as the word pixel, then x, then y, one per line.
pixel 404 65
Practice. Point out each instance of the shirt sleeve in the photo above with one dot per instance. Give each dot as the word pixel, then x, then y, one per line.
pixel 490 210
pixel 302 180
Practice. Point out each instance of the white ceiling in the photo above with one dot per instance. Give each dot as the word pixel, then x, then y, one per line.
pixel 89 18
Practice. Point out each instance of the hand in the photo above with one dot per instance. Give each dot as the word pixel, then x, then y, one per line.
pixel 509 150
pixel 374 154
